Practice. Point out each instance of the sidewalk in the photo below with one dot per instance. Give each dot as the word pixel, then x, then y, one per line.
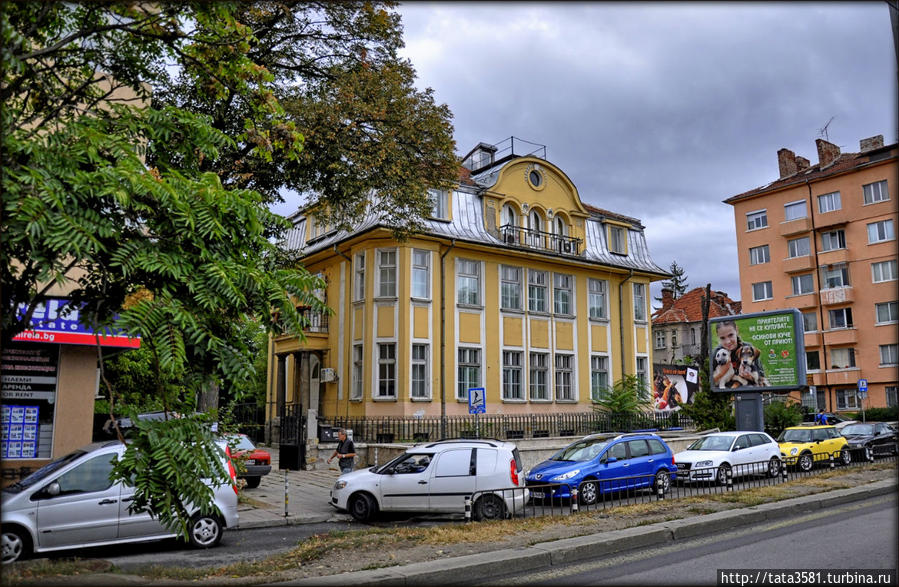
pixel 308 493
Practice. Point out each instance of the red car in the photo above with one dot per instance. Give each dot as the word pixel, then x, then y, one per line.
pixel 255 461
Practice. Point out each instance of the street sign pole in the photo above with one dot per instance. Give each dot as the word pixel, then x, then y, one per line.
pixel 862 394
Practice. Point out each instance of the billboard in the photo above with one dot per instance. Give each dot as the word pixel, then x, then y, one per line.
pixel 757 352
pixel 673 386
pixel 56 321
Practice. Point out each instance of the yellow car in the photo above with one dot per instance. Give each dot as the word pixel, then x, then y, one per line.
pixel 804 445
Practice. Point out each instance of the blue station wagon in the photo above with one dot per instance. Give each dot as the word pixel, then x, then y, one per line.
pixel 602 463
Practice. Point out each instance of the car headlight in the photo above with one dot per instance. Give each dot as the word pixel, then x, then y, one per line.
pixel 794 451
pixel 703 464
pixel 340 485
pixel 567 475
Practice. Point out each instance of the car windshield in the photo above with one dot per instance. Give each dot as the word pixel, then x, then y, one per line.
pixel 795 435
pixel 858 430
pixel 583 450
pixel 44 471
pixel 240 442
pixel 712 442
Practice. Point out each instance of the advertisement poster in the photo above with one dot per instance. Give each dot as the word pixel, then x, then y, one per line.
pixel 29 379
pixel 757 352
pixel 673 387
pixel 20 432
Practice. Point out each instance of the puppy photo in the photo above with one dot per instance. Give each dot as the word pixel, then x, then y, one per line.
pixel 750 368
pixel 724 370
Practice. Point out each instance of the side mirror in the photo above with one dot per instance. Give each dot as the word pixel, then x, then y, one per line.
pixel 51 490
pixel 611 460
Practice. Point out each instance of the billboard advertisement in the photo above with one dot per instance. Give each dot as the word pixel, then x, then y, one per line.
pixel 757 352
pixel 673 386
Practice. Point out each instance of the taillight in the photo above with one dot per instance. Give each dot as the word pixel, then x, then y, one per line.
pixel 231 472
pixel 513 472
pixel 673 464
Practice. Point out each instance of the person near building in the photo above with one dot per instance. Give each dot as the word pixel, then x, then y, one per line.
pixel 345 452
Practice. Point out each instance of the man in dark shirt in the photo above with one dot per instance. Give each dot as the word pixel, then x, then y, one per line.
pixel 345 452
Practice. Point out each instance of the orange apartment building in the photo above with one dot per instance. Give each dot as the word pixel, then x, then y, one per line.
pixel 822 238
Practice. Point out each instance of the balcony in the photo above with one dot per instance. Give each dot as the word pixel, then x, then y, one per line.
pixel 837 295
pixel 316 322
pixel 833 257
pixel 539 240
pixel 797 226
pixel 828 219
pixel 794 264
pixel 808 300
pixel 812 339
pixel 841 336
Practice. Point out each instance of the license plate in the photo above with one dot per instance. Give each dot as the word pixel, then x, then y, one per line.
pixel 251 461
pixel 537 494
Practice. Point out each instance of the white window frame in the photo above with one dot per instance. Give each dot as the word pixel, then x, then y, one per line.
pixel 386 380
pixel 538 377
pixel 421 274
pixel 510 287
pixel 829 202
pixel 829 276
pixel 639 291
pixel 359 286
pixel 892 312
pixel 465 368
pixel 756 220
pixel 422 364
pixel 660 340
pixel 563 294
pixel 883 271
pixel 387 273
pixel 642 373
pixel 846 318
pixel 846 358
pixel 847 399
pixel 884 231
pixel 356 391
pixel 599 376
pixel 876 192
pixel 513 384
pixel 468 272
pixel 803 284
pixel 889 355
pixel 759 255
pixel 808 365
pixel 439 204
pixel 794 247
pixel 891 392
pixel 564 382
pixel 828 238
pixel 617 239
pixel 597 298
pixel 768 293
pixel 814 316
pixel 537 282
pixel 791 207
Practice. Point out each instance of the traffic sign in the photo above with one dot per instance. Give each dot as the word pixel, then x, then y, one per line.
pixel 477 400
pixel 863 385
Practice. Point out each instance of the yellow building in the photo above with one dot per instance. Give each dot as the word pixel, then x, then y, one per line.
pixel 515 285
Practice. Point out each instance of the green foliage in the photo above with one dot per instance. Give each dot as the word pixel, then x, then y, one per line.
pixel 629 396
pixel 678 281
pixel 879 414
pixel 780 415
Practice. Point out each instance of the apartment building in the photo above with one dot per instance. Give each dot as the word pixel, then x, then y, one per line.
pixel 515 285
pixel 677 325
pixel 822 238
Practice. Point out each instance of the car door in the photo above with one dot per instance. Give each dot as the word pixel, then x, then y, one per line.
pixel 455 476
pixel 79 507
pixel 741 456
pixel 763 448
pixel 883 439
pixel 640 465
pixel 404 487
pixel 615 468
pixel 136 525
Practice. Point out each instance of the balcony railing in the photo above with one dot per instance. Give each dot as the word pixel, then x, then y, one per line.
pixel 537 239
pixel 316 321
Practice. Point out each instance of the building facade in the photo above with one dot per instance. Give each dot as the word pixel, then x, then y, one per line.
pixel 821 238
pixel 515 285
pixel 677 325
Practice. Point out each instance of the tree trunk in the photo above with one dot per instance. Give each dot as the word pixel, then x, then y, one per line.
pixel 704 333
pixel 209 398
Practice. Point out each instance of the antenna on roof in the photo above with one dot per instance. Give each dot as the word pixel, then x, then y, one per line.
pixel 822 132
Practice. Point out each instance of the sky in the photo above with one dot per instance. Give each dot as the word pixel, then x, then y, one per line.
pixel 662 110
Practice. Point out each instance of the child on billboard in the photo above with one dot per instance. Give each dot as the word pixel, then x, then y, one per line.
pixel 735 363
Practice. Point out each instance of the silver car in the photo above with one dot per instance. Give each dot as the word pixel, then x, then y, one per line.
pixel 71 503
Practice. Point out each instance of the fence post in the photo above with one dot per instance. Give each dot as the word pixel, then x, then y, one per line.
pixel 869 454
pixel 730 479
pixel 286 494
pixel 832 463
pixel 783 469
pixel 574 500
pixel 467 508
pixel 659 491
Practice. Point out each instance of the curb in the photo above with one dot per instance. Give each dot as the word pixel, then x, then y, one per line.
pixel 478 567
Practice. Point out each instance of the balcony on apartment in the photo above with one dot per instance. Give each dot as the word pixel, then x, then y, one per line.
pixel 840 336
pixel 794 264
pixel 813 339
pixel 833 257
pixel 537 239
pixel 832 218
pixel 791 227
pixel 837 295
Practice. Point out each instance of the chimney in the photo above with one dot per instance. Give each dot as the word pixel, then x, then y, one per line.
pixel 827 152
pixel 667 298
pixel 802 163
pixel 870 143
pixel 786 162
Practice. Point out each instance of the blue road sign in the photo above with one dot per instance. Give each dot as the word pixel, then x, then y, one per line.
pixel 863 385
pixel 477 400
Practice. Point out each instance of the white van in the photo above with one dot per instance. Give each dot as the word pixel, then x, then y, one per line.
pixel 437 477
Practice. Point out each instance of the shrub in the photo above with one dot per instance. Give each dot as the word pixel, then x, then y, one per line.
pixel 780 415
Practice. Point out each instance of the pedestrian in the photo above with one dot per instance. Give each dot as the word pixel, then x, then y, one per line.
pixel 821 418
pixel 345 452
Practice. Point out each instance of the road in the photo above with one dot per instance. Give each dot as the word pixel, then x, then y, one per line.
pixel 860 535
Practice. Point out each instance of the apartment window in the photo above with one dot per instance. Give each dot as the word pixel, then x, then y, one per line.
pixel 421 274
pixel 756 220
pixel 599 376
pixel 810 401
pixel 639 302
pixel 618 240
pixel 832 240
pixel 660 339
pixel 356 392
pixel 564 379
pixel 762 291
pixel 876 192
pixel 842 358
pixel 693 336
pixel 420 377
pixel 439 200
pixel 387 370
pixel 840 318
pixel 468 282
pixel 887 312
pixel 673 338
pixel 809 321
pixel 387 273
pixel 829 202
pixel 510 278
pixel 794 211
pixel 889 354
pixel 562 293
pixel 812 361
pixel 847 399
pixel 759 255
pixel 469 371
pixel 536 291
pixel 512 388
pixel 539 377
pixel 359 288
pixel 836 275
pixel 596 298
pixel 803 284
pixel 799 247
pixel 892 396
pixel 883 271
pixel 641 373
pixel 880 231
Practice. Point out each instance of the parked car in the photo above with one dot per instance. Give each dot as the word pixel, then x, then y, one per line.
pixel 71 503
pixel 803 445
pixel 602 463
pixel 742 453
pixel 253 462
pixel 436 477
pixel 877 437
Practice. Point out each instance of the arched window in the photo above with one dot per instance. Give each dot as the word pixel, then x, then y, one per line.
pixel 509 217
pixel 561 227
pixel 535 221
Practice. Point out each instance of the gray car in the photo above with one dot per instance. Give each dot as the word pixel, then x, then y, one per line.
pixel 71 503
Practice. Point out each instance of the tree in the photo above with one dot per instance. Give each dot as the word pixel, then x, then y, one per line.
pixel 677 283
pixel 627 399
pixel 780 415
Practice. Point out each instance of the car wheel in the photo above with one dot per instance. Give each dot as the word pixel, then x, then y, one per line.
pixel 723 471
pixel 489 507
pixel 16 545
pixel 662 482
pixel 806 462
pixel 253 482
pixel 205 531
pixel 588 493
pixel 774 467
pixel 845 457
pixel 363 507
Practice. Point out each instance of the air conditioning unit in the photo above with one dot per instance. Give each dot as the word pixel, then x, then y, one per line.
pixel 328 375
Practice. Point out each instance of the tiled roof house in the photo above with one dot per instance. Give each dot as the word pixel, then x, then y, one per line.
pixel 677 325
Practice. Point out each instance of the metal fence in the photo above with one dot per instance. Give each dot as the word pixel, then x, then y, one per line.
pixel 510 427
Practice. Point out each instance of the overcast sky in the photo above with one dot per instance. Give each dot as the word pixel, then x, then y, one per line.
pixel 661 111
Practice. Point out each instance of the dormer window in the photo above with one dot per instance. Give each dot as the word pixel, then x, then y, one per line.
pixel 439 204
pixel 617 239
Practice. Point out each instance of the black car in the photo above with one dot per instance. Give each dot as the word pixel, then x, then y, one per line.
pixel 876 437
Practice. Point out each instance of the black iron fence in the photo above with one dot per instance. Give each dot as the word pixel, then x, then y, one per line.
pixel 508 427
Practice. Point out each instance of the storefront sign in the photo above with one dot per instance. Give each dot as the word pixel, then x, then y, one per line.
pixel 57 322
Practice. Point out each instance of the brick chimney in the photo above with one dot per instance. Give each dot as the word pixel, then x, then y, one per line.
pixel 786 162
pixel 667 298
pixel 802 163
pixel 870 143
pixel 827 152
